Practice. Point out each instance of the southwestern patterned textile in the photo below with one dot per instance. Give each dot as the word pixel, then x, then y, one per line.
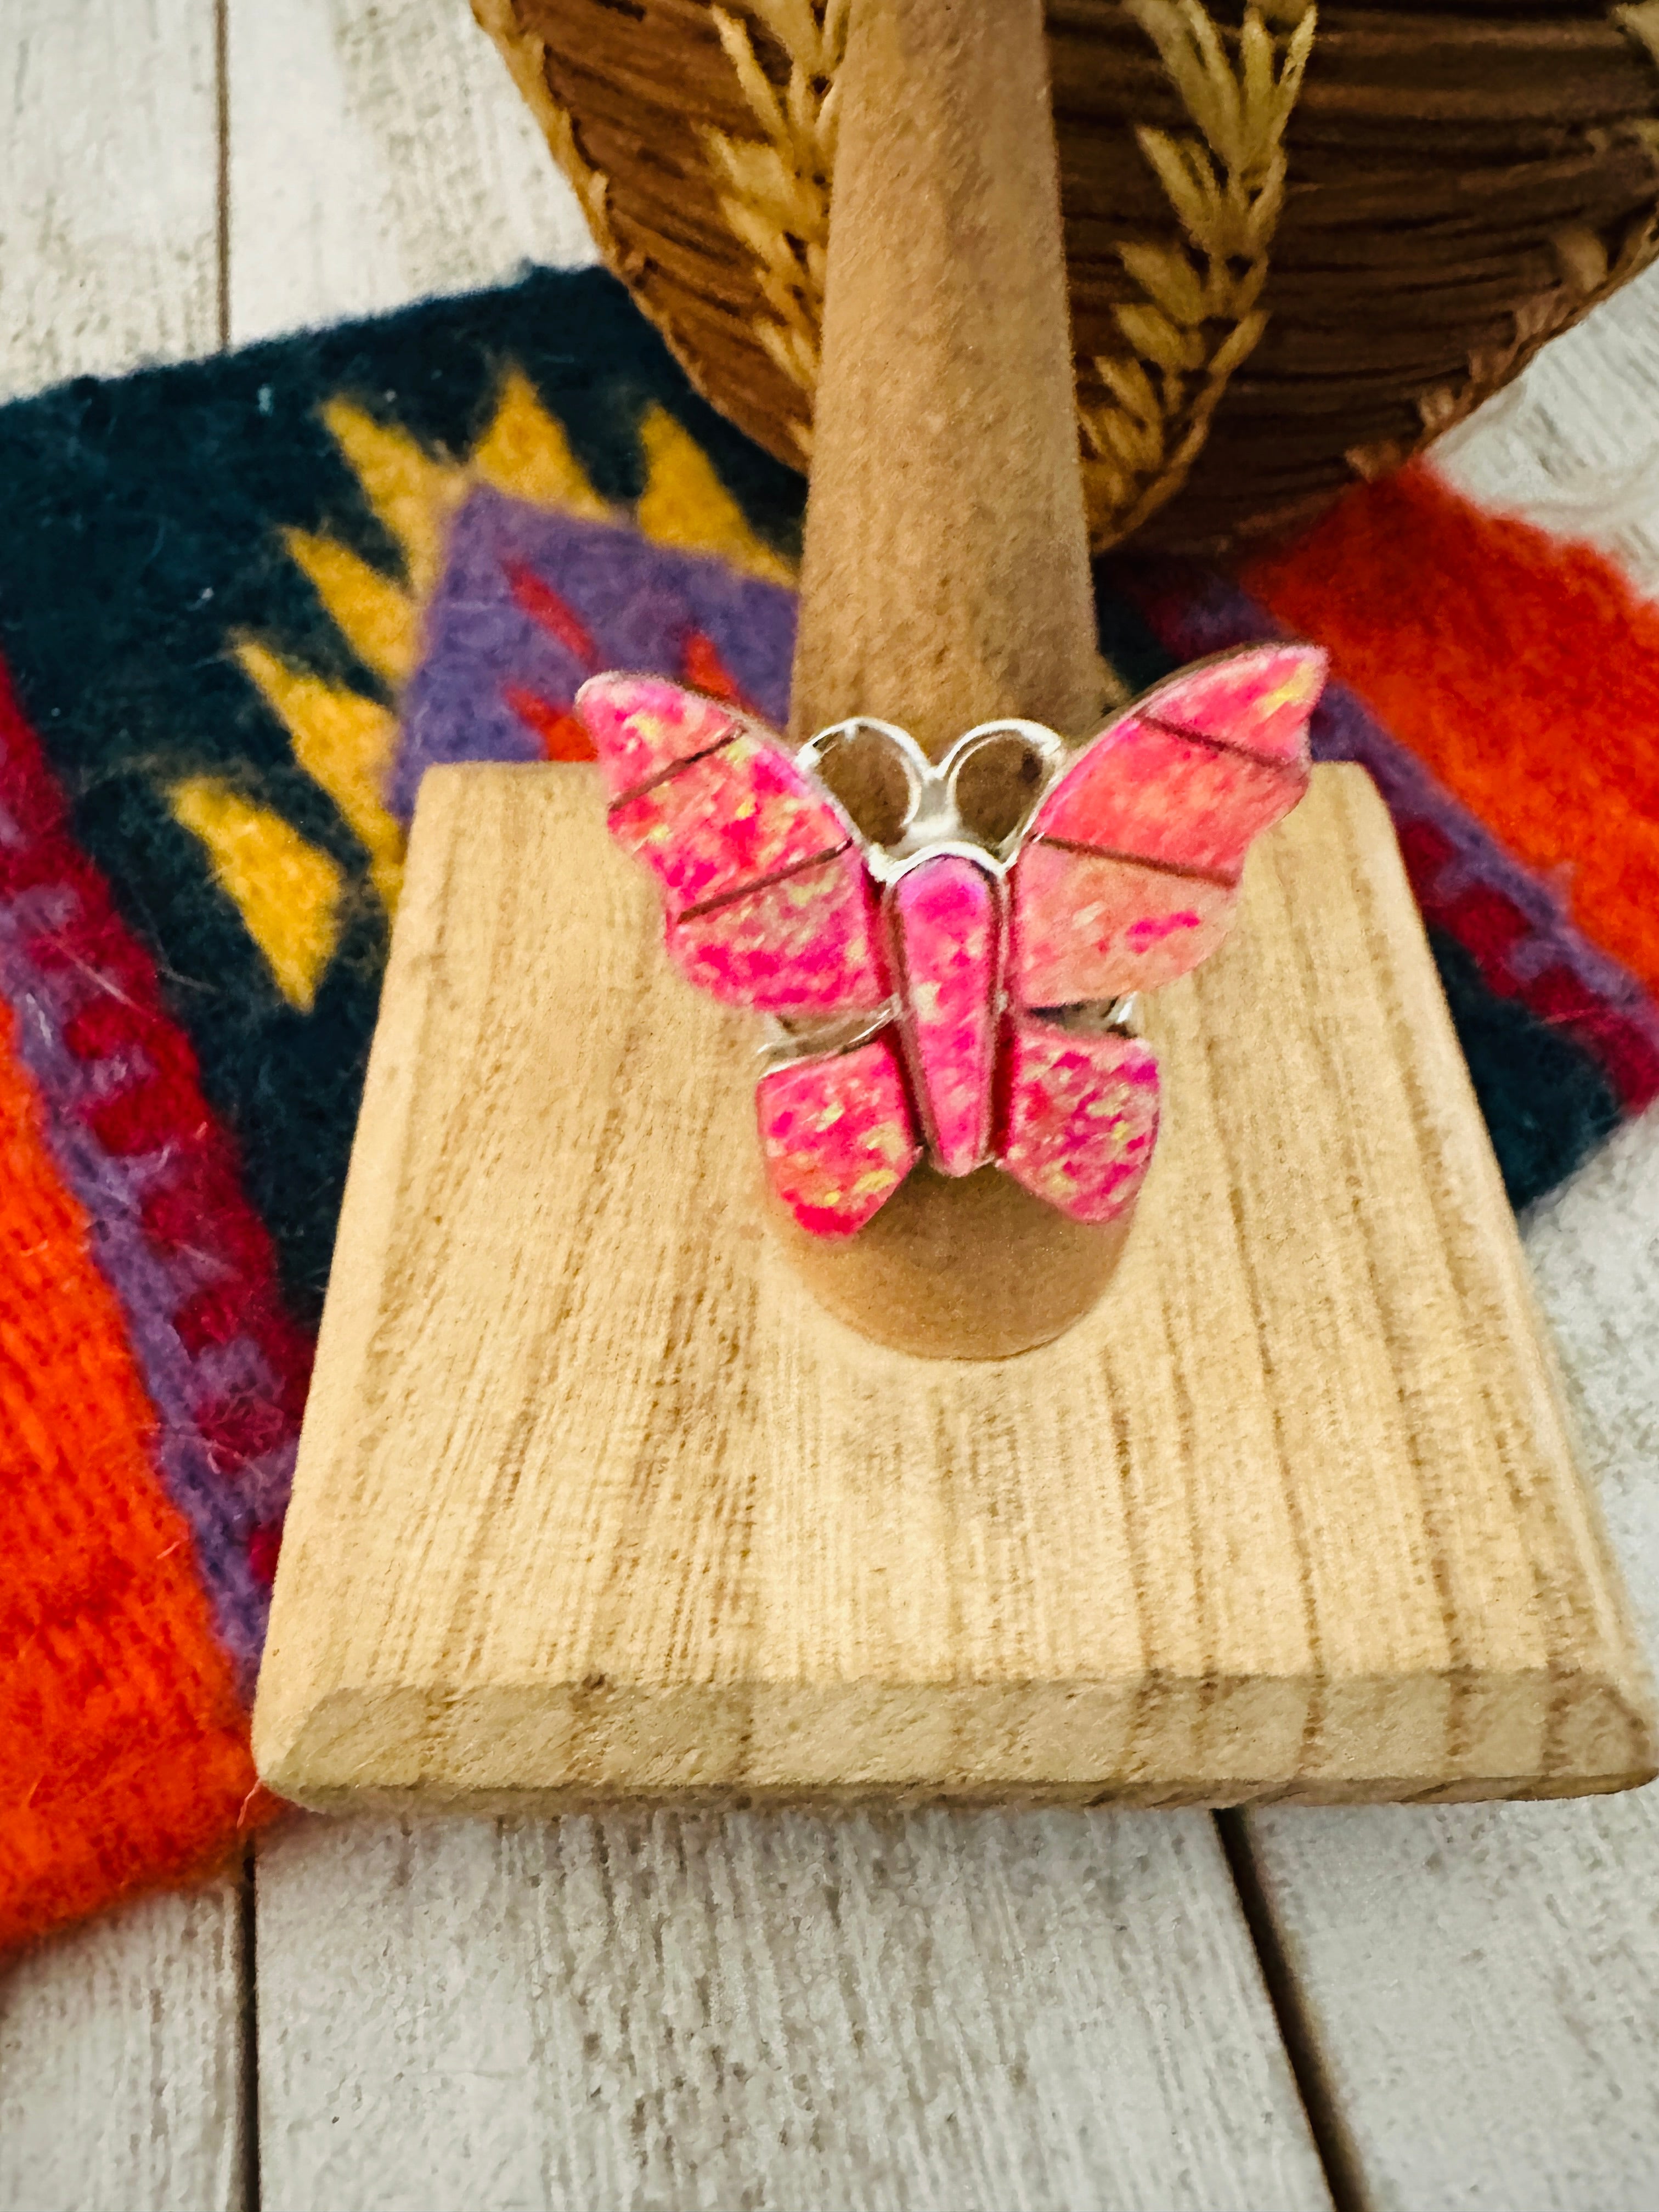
pixel 243 604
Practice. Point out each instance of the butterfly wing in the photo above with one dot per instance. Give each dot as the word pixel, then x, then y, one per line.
pixel 837 1134
pixel 1079 1116
pixel 767 905
pixel 1129 875
pixel 768 901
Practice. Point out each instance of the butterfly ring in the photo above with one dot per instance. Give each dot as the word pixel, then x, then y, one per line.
pixel 948 952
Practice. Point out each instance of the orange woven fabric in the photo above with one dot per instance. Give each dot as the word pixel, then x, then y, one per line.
pixel 124 1753
pixel 1523 673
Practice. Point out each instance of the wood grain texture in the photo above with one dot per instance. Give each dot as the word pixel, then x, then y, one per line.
pixel 427 2005
pixel 1481 1980
pixel 107 188
pixel 378 154
pixel 922 2012
pixel 121 2062
pixel 592 1500
pixel 371 2010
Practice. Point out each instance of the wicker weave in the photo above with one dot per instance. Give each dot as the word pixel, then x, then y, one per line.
pixel 1299 247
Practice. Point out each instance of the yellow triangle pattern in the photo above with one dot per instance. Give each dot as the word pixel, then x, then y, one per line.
pixel 685 504
pixel 382 623
pixel 412 495
pixel 525 453
pixel 345 743
pixel 287 892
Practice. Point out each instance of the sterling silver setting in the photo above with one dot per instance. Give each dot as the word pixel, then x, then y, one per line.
pixel 933 826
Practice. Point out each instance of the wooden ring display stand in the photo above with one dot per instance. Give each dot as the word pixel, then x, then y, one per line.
pixel 596 1501
pixel 945 579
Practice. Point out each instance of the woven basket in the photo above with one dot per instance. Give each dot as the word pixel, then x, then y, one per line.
pixel 1300 245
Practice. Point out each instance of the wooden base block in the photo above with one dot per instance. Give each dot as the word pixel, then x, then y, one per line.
pixel 595 1501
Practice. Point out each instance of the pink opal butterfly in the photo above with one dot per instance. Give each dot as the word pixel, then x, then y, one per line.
pixel 955 989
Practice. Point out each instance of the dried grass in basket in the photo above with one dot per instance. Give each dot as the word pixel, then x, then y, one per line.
pixel 1301 242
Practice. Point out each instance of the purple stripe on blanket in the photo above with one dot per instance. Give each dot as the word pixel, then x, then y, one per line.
pixel 640 603
pixel 222 1510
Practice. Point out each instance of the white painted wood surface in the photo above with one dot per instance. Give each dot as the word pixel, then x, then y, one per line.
pixel 559 2014
pixel 934 2013
pixel 108 186
pixel 121 2061
pixel 1481 1979
pixel 378 152
pixel 120 2043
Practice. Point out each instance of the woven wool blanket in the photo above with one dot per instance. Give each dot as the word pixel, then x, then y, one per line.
pixel 244 605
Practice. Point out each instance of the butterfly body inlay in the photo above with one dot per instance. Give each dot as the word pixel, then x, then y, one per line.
pixel 948 932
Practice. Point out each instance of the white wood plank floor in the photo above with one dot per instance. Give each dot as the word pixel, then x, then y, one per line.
pixel 1044 2010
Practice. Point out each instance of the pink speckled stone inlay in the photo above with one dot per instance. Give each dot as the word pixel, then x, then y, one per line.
pixel 1081 1117
pixel 1260 699
pixel 734 819
pixel 949 923
pixel 1087 928
pixel 1158 795
pixel 1147 789
pixel 806 944
pixel 837 1135
pixel 641 725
